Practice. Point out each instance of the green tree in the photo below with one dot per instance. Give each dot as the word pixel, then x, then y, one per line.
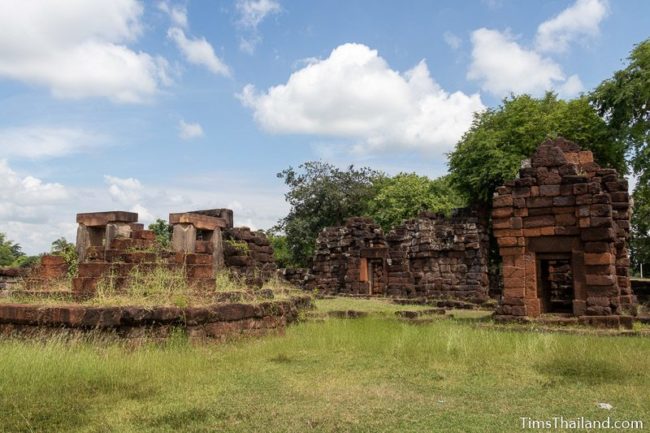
pixel 624 102
pixel 640 230
pixel 499 139
pixel 61 247
pixel 407 194
pixel 321 195
pixel 9 251
pixel 280 249
pixel 163 232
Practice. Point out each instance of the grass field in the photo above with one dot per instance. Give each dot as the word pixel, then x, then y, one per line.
pixel 363 375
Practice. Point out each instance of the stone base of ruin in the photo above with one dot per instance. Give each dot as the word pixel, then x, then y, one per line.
pixel 218 321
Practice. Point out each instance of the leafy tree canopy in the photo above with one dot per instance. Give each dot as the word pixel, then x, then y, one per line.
pixel 321 195
pixel 163 232
pixel 640 239
pixel 61 247
pixel 491 152
pixel 9 251
pixel 281 250
pixel 407 194
pixel 624 101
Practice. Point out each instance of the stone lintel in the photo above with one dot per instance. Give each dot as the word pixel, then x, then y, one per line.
pixel 201 222
pixel 374 252
pixel 98 219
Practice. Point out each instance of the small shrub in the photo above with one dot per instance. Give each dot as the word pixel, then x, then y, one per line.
pixel 241 246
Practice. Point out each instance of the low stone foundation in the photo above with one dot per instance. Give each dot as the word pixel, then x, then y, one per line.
pixel 218 321
pixel 11 277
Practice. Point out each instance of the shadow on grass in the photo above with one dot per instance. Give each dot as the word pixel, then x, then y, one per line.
pixel 585 370
pixel 180 420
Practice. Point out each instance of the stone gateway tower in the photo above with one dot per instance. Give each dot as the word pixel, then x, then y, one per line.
pixel 562 228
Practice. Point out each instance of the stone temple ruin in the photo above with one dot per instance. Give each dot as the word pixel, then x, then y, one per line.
pixel 431 256
pixel 562 227
pixel 111 244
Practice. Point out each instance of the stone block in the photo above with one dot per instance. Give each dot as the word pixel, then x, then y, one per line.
pixel 198 259
pixel 95 219
pixel 565 200
pixel 507 241
pixel 539 221
pixel 600 280
pixel 199 221
pixel 565 220
pixel 502 201
pixel 535 202
pixel 567 231
pixel 143 234
pixel 579 307
pixel 599 259
pixel 93 269
pixel 580 189
pixel 597 234
pixel 533 307
pixel 502 212
pixel 601 221
pixel 549 190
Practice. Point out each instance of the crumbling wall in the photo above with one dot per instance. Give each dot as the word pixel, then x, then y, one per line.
pixel 438 256
pixel 564 206
pixel 249 254
pixel 342 254
pixel 429 256
pixel 11 277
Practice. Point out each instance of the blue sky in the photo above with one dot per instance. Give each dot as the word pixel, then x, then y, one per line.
pixel 159 106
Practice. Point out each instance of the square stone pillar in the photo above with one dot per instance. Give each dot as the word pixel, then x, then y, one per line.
pixel 98 229
pixel 116 230
pixel 184 238
pixel 217 254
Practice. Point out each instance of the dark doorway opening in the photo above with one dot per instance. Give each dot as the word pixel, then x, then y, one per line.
pixel 555 283
pixel 376 277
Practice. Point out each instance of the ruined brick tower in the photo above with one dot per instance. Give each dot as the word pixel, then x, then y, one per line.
pixel 562 227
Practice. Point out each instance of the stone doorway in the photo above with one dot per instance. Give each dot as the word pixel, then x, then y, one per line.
pixel 376 277
pixel 555 283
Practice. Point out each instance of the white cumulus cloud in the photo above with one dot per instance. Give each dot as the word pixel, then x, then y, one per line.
pixel 177 13
pixel 44 141
pixel 452 40
pixel 579 21
pixel 79 49
pixel 27 191
pixel 356 95
pixel 503 66
pixel 188 130
pixel 251 14
pixel 198 51
pixel 130 193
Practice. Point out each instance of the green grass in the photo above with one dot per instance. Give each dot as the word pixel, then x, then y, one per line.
pixel 378 306
pixel 366 375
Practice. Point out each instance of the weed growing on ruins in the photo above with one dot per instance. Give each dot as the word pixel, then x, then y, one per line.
pixel 373 374
pixel 240 246
pixel 156 285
